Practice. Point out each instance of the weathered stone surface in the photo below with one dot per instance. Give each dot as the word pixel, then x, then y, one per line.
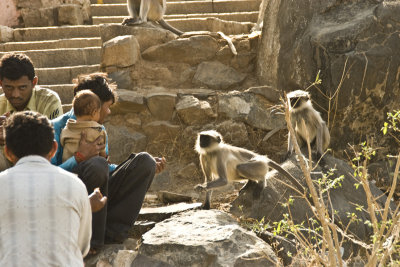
pixel 128 101
pixel 121 51
pixel 353 43
pixel 122 78
pixel 124 258
pixel 140 227
pixel 41 17
pixel 205 238
pixel 191 50
pixel 161 131
pixel 70 14
pixel 104 256
pixel 216 75
pixel 170 197
pixel 258 202
pixel 250 108
pixel 143 261
pixel 146 36
pixel 123 142
pixel 162 213
pixel 161 105
pixel 268 92
pixel 6 34
pixel 161 181
pixel 234 133
pixel 162 74
pixel 193 111
pixel 8 13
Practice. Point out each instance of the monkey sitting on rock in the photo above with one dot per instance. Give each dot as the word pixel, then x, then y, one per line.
pixel 152 10
pixel 221 162
pixel 307 123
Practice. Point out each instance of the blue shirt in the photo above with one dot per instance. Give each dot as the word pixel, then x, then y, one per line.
pixel 68 165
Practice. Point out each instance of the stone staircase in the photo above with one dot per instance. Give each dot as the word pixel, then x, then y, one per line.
pixel 61 53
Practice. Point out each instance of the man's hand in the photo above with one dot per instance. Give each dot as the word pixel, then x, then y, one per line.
pixel 2 133
pixel 97 200
pixel 90 149
pixel 160 164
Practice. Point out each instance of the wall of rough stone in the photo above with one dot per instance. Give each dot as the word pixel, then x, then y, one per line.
pixel 41 13
pixel 8 13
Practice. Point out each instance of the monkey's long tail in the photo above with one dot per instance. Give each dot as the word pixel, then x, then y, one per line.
pixel 230 43
pixel 293 180
pixel 166 26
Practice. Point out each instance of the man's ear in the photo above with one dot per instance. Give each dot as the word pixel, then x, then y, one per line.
pixel 53 150
pixel 10 155
pixel 35 81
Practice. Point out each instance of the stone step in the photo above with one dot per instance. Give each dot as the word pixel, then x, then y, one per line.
pixel 55 33
pixel 50 58
pixel 65 91
pixel 185 7
pixel 207 24
pixel 250 16
pixel 63 75
pixel 51 44
pixel 124 1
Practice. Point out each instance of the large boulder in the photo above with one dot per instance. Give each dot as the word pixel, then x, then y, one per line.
pixel 194 111
pixel 344 199
pixel 204 238
pixel 146 36
pixel 121 51
pixel 193 50
pixel 355 44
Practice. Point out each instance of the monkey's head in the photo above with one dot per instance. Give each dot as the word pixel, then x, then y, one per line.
pixel 298 99
pixel 207 141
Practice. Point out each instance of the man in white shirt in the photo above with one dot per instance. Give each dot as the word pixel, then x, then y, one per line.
pixel 45 214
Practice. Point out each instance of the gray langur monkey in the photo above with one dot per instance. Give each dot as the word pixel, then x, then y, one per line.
pixel 221 162
pixel 307 123
pixel 153 10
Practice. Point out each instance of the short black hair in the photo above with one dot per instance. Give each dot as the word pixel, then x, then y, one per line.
pixel 13 66
pixel 85 103
pixel 98 83
pixel 29 133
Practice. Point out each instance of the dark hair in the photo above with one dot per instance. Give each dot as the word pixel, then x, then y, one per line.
pixel 29 133
pixel 98 83
pixel 85 103
pixel 13 66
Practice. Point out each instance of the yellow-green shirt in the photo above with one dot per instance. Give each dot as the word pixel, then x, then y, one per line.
pixel 44 101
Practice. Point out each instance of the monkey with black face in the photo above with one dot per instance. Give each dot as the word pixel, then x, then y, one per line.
pixel 153 10
pixel 307 123
pixel 221 162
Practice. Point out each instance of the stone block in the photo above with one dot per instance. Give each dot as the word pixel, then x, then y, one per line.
pixel 124 258
pixel 161 105
pixel 70 14
pixel 128 101
pixel 216 75
pixel 121 51
pixel 6 34
pixel 41 17
pixel 161 213
pixel 193 111
pixel 161 131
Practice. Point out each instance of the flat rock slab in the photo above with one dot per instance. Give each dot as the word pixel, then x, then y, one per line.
pixel 140 227
pixel 205 238
pixel 161 213
pixel 170 197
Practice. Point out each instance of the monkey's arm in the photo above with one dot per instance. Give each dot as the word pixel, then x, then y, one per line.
pixel 144 10
pixel 206 168
pixel 222 178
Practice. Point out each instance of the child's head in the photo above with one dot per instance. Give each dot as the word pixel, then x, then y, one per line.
pixel 86 103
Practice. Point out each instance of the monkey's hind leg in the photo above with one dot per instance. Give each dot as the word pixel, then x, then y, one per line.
pixel 254 169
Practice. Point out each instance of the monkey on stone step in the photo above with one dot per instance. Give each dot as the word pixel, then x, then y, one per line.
pixel 152 10
pixel 221 162
pixel 307 123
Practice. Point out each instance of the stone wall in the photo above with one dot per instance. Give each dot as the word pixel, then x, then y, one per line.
pixel 41 13
pixel 354 43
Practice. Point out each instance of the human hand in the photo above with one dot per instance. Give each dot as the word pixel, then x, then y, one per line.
pixel 160 164
pixel 2 133
pixel 97 200
pixel 90 149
